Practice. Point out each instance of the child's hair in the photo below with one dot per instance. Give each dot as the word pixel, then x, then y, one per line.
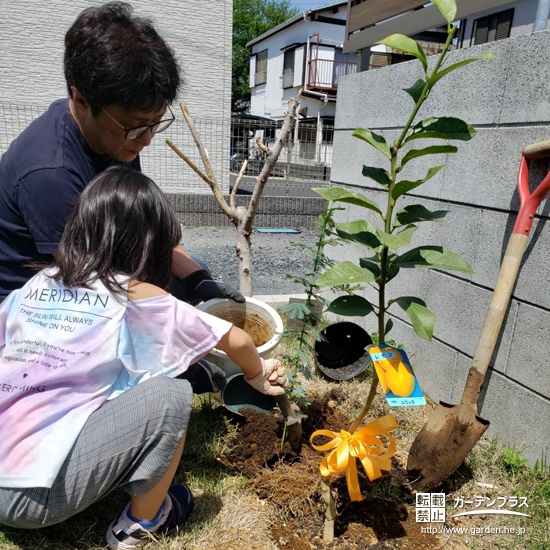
pixel 121 225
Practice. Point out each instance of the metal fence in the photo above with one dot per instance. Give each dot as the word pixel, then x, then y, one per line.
pixel 306 157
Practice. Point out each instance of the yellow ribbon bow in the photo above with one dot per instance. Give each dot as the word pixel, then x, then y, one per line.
pixel 365 445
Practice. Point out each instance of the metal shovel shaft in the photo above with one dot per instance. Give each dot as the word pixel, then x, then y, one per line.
pixel 293 419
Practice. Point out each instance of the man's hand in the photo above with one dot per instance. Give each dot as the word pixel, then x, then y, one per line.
pixel 208 289
pixel 199 287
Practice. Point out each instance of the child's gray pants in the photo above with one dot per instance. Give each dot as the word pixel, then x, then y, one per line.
pixel 128 443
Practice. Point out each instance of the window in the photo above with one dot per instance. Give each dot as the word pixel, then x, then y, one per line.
pixel 261 68
pixel 288 69
pixel 328 130
pixel 493 27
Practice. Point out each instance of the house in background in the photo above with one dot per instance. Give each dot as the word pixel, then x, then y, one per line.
pixel 303 52
pixel 480 22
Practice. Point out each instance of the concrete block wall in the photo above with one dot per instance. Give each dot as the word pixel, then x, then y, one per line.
pixel 31 75
pixel 507 101
pixel 294 212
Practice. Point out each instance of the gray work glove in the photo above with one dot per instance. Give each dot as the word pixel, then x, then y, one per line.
pixel 272 380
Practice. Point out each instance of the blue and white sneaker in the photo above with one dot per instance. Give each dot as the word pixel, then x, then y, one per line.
pixel 126 534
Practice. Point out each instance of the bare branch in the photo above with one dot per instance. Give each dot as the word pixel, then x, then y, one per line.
pixel 263 147
pixel 271 160
pixel 212 184
pixel 236 184
pixel 202 149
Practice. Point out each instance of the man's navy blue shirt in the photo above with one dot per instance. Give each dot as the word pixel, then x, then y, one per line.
pixel 41 177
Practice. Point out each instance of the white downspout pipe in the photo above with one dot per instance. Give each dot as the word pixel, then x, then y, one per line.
pixel 541 17
pixel 320 130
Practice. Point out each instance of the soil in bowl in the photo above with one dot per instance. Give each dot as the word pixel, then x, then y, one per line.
pixel 257 328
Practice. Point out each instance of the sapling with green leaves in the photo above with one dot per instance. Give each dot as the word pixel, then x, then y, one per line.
pixel 397 227
pixel 304 311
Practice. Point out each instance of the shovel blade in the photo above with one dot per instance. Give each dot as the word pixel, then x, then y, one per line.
pixel 443 443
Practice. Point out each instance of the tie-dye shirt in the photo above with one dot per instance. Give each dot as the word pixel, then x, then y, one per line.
pixel 64 352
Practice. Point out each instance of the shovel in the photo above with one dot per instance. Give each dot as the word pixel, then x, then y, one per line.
pixel 452 430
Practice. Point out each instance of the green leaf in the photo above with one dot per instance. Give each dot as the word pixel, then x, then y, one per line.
pixel 454 66
pixel 393 272
pixel 296 310
pixel 405 44
pixel 447 9
pixel 403 238
pixel 359 231
pixel 372 264
pixel 351 306
pixel 376 140
pixel 337 194
pixel 379 175
pixel 415 213
pixel 433 257
pixel 432 150
pixel 422 319
pixel 388 327
pixel 442 128
pixel 415 91
pixel 344 273
pixel 405 186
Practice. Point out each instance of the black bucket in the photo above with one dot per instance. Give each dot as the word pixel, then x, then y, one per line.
pixel 342 355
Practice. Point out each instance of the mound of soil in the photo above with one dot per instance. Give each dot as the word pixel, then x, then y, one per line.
pixel 291 482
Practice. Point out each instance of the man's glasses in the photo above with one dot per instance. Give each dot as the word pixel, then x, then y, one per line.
pixel 138 131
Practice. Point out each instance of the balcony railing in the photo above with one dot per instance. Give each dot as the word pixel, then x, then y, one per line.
pixel 324 73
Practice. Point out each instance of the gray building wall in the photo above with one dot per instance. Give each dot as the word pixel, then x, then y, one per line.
pixel 31 75
pixel 507 101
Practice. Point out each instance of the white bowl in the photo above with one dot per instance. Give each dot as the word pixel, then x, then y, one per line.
pixel 262 322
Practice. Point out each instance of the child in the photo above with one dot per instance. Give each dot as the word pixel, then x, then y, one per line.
pixel 93 358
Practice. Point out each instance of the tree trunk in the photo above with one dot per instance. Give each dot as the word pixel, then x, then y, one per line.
pixel 330 510
pixel 243 252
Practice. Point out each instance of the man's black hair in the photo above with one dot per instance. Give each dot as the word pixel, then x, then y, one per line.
pixel 122 224
pixel 115 58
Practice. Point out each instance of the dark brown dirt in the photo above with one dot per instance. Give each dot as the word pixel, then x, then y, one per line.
pixel 385 520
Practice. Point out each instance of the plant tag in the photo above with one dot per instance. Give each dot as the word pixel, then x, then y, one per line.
pixel 396 376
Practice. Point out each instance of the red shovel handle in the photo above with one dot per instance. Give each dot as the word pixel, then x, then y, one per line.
pixel 529 202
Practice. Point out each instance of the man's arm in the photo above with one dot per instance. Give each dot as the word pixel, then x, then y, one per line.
pixel 193 284
pixel 182 264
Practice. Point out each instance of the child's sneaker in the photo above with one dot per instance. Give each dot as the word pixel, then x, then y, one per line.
pixel 125 534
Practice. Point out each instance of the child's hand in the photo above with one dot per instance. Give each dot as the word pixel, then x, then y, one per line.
pixel 272 380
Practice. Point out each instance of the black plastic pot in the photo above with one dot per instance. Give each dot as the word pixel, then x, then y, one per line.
pixel 342 355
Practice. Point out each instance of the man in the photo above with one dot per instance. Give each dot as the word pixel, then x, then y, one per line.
pixel 121 77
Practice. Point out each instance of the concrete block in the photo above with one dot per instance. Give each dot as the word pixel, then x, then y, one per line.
pixel 529 361
pixel 533 278
pixel 459 308
pixel 375 99
pixel 433 362
pixel 527 91
pixel 518 417
pixel 459 94
pixel 462 366
pixel 514 411
pixel 484 171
